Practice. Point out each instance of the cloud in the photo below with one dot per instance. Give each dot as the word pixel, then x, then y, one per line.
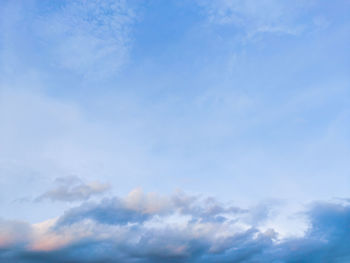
pixel 13 233
pixel 139 207
pixel 71 189
pixel 253 17
pixel 130 229
pixel 109 211
pixel 90 38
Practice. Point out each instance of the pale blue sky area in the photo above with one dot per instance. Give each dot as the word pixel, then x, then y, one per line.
pixel 241 100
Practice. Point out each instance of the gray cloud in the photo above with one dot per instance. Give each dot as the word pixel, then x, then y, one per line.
pixel 109 211
pixel 138 207
pixel 208 209
pixel 71 189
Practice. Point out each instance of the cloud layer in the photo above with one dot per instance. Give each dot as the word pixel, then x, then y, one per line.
pixel 179 228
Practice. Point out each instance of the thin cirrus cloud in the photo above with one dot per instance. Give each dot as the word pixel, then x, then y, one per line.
pixel 268 16
pixel 140 228
pixel 90 38
pixel 73 189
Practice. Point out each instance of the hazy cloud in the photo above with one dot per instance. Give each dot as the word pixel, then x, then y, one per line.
pixel 253 17
pixel 13 233
pixel 73 189
pixel 90 38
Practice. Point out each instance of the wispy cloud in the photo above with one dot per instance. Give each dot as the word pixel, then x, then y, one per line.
pixel 267 16
pixel 90 38
pixel 73 189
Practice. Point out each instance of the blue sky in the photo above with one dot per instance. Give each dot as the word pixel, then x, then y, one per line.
pixel 107 104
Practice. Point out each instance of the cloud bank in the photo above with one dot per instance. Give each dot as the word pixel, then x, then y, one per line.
pixel 179 228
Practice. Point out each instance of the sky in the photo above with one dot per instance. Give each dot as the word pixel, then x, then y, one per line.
pixel 174 131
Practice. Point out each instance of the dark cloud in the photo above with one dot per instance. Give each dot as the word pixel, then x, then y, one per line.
pixel 71 189
pixel 121 230
pixel 108 211
pixel 328 240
